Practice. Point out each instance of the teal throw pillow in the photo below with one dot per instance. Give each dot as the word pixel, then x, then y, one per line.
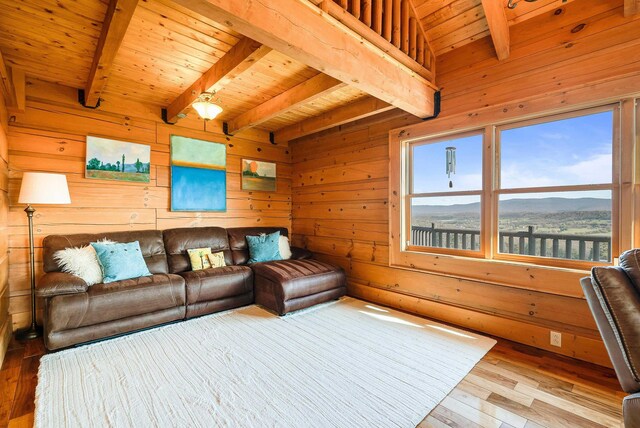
pixel 264 248
pixel 120 261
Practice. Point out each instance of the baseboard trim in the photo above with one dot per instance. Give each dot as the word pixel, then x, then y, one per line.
pixel 579 347
pixel 5 337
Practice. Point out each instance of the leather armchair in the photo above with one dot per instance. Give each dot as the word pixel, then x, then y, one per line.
pixel 613 294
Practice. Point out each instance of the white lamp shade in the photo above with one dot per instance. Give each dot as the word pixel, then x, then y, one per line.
pixel 44 188
pixel 206 109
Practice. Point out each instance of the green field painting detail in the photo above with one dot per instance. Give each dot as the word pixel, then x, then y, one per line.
pixel 198 175
pixel 117 160
pixel 258 176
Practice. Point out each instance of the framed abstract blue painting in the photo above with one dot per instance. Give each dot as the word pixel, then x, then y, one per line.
pixel 198 175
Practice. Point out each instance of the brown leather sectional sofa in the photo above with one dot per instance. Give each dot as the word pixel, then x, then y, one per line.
pixel 613 294
pixel 75 313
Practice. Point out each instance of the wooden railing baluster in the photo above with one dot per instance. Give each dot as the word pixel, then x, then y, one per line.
pixel 404 27
pixel 395 33
pixel 589 247
pixel 387 25
pixel 366 12
pixel 355 8
pixel 377 16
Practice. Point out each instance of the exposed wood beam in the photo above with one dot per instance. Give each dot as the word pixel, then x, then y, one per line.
pixel 498 27
pixel 116 22
pixel 239 59
pixel 339 116
pixel 631 7
pixel 19 88
pixel 301 94
pixel 302 31
pixel 374 38
pixel 6 84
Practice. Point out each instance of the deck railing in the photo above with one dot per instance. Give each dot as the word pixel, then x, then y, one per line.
pixel 576 247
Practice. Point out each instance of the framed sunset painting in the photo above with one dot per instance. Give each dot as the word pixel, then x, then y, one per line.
pixel 258 175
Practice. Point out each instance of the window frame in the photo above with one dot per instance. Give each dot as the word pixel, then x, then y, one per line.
pixel 408 194
pixel 491 189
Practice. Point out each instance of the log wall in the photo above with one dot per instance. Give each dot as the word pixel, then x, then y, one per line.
pixel 50 136
pixel 577 55
pixel 5 317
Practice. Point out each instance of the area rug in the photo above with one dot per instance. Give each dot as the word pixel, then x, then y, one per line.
pixel 343 364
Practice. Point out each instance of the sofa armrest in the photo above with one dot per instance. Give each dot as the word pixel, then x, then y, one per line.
pixel 298 253
pixel 56 283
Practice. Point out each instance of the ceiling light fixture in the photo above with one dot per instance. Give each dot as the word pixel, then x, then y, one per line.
pixel 512 4
pixel 205 107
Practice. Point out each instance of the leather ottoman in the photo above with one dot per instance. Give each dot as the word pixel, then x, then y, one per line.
pixel 288 285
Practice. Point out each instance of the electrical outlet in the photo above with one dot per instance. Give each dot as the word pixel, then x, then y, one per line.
pixel 556 339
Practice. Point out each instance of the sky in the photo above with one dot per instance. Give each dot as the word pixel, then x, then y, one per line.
pixel 565 152
pixel 111 151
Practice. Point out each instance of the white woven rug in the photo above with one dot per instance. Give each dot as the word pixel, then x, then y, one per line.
pixel 345 364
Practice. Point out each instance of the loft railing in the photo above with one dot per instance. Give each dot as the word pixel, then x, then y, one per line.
pixel 575 247
pixel 391 25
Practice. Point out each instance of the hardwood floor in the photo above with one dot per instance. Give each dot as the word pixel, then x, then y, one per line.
pixel 512 386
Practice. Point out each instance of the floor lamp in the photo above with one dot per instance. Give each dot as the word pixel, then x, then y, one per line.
pixel 39 188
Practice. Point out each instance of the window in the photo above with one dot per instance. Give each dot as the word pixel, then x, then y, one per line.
pixel 532 190
pixel 555 187
pixel 446 193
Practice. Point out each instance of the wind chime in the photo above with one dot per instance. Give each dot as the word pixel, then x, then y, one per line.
pixel 451 163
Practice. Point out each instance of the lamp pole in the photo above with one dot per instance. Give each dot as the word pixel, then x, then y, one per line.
pixel 35 330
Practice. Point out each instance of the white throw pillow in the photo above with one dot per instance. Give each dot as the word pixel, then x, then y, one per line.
pixel 285 249
pixel 81 262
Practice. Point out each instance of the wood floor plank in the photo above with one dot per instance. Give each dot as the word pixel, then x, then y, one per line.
pixel 473 389
pixel 13 358
pixel 8 382
pixel 511 394
pixel 513 386
pixel 515 376
pixel 567 405
pixel 431 422
pixel 26 389
pixel 542 413
pixel 452 419
pixel 24 421
pixel 591 402
pixel 492 410
pixel 471 413
pixel 34 347
pixel 494 377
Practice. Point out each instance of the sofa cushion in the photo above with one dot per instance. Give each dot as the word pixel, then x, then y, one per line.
pixel 116 300
pixel 298 278
pixel 264 248
pixel 216 260
pixel 238 240
pixel 199 258
pixel 120 261
pixel 178 241
pixel 217 283
pixel 151 245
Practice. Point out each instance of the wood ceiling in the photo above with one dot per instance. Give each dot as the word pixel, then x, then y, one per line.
pixel 157 51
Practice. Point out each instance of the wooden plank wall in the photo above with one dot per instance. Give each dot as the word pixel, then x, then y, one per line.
pixel 581 53
pixel 50 136
pixel 5 318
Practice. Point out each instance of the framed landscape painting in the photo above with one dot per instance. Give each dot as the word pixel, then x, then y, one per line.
pixel 198 175
pixel 259 176
pixel 117 160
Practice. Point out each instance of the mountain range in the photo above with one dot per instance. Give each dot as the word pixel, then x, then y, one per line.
pixel 542 205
